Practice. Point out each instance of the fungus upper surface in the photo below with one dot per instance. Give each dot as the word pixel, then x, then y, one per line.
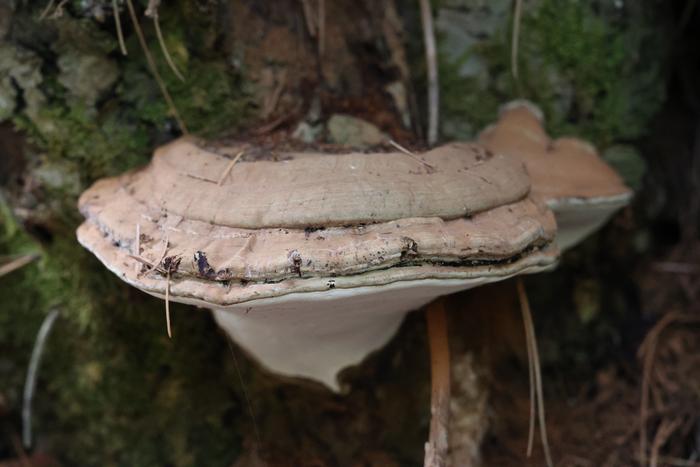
pixel 562 169
pixel 309 222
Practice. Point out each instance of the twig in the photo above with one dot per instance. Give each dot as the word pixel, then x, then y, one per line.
pixel 154 69
pixel 118 24
pixel 517 14
pixel 17 263
pixel 230 165
pixel 152 12
pixel 30 381
pixel 411 155
pixel 431 60
pixel 437 445
pixel 532 342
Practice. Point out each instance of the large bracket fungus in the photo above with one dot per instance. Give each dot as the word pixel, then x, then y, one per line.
pixel 310 261
pixel 581 189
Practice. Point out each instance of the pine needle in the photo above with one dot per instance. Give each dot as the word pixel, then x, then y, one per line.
pixel 532 350
pixel 431 60
pixel 32 370
pixel 256 430
pixel 411 155
pixel 118 24
pixel 156 264
pixel 229 167
pixel 46 10
pixel 164 48
pixel 517 14
pixel 531 377
pixel 154 69
pixel 17 263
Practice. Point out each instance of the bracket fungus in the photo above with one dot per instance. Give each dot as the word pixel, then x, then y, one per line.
pixel 581 189
pixel 310 261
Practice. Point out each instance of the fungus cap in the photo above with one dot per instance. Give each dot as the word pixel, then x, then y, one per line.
pixel 582 190
pixel 309 260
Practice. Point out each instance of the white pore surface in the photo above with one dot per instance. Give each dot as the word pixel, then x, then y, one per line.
pixel 576 219
pixel 317 334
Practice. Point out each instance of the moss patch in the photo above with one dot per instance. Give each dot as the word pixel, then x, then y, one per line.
pixel 113 390
pixel 595 71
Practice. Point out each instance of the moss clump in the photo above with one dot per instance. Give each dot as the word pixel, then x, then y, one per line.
pixel 595 72
pixel 113 390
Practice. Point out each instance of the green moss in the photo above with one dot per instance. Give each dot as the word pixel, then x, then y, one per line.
pixel 209 100
pixel 595 73
pixel 113 390
pixel 118 388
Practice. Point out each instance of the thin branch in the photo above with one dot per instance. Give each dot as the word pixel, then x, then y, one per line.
pixel 532 342
pixel 30 381
pixel 118 23
pixel 437 445
pixel 154 69
pixel 431 60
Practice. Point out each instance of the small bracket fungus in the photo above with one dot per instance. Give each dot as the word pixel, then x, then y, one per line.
pixel 310 261
pixel 581 189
